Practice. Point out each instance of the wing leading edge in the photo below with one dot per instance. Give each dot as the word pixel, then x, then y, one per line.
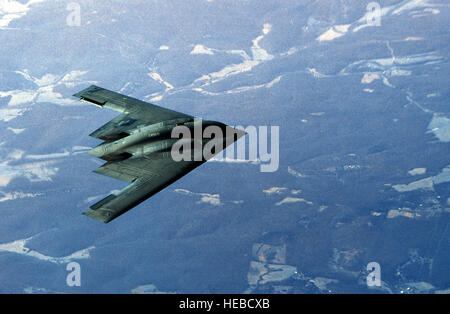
pixel 134 112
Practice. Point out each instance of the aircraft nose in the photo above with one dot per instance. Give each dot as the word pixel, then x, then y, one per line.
pixel 240 133
pixel 234 133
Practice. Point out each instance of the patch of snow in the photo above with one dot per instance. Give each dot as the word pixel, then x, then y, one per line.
pixel 200 49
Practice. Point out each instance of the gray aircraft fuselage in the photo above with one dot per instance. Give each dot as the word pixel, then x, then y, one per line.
pixel 157 138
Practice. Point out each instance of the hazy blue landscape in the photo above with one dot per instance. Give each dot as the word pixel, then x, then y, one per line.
pixel 362 105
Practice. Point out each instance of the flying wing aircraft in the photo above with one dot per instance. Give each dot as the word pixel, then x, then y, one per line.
pixel 140 148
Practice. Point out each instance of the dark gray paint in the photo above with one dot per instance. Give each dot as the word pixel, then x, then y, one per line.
pixel 128 134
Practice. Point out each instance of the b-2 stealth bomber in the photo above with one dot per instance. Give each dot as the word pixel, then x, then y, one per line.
pixel 143 147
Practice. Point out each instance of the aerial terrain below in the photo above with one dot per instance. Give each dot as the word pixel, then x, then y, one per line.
pixel 362 105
